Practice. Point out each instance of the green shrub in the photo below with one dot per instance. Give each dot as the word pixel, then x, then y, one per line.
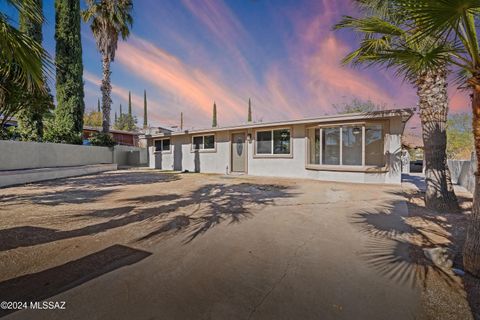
pixel 56 131
pixel 101 139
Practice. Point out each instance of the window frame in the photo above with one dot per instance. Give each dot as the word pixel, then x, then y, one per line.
pixel 272 155
pixel 341 167
pixel 202 149
pixel 162 151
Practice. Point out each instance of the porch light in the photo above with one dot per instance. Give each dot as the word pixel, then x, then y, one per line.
pixel 249 137
pixel 356 130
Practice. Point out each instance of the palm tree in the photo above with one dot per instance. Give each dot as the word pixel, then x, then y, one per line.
pixel 23 61
pixel 456 20
pixel 386 42
pixel 110 19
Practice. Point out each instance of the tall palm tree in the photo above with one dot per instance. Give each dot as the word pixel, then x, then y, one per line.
pixel 110 19
pixel 456 20
pixel 386 42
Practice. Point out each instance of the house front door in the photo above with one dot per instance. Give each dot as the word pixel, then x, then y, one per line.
pixel 238 152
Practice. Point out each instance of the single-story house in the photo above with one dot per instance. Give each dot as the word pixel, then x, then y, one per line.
pixel 360 147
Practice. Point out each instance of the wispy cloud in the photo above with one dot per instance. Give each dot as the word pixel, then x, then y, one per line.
pixel 305 81
pixel 137 101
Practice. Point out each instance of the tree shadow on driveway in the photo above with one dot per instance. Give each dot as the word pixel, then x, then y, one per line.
pixel 215 204
pixel 395 249
pixel 78 190
pixel 210 205
pixel 48 283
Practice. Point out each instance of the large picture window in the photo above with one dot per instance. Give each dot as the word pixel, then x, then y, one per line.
pixel 347 145
pixel 206 142
pixel 162 145
pixel 273 142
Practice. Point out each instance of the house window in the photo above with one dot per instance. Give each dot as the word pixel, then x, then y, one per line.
pixel 206 142
pixel 162 145
pixel 331 146
pixel 273 142
pixel 374 145
pixel 352 146
pixel 347 145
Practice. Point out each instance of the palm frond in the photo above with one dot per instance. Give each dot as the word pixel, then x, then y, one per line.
pixel 444 19
pixel 109 20
pixel 24 60
pixel 369 25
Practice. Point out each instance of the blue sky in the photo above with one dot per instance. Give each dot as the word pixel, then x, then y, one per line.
pixel 280 53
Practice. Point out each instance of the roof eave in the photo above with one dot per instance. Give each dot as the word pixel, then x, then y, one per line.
pixel 406 114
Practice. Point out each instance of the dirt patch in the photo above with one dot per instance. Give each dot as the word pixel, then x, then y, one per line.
pixel 445 295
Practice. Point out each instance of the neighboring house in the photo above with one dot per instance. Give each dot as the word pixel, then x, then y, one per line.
pixel 361 147
pixel 414 145
pixel 121 137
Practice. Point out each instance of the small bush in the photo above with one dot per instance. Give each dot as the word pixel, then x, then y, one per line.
pixel 102 139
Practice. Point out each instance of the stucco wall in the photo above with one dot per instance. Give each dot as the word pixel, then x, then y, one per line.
pixel 127 155
pixel 180 158
pixel 15 155
pixel 463 173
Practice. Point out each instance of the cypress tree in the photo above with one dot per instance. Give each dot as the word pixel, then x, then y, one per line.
pixel 214 120
pixel 121 109
pixel 145 120
pixel 116 117
pixel 181 121
pixel 98 105
pixel 129 104
pixel 69 71
pixel 37 103
pixel 249 111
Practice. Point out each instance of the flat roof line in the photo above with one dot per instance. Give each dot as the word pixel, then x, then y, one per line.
pixel 406 112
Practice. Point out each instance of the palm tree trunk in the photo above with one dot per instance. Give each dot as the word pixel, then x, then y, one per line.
pixel 106 90
pixel 433 102
pixel 471 253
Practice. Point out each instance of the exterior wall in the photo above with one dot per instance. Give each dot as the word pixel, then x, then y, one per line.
pixel 181 157
pixel 463 172
pixel 127 155
pixel 295 167
pixel 17 155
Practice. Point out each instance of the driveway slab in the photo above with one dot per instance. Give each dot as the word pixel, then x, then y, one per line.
pixel 151 245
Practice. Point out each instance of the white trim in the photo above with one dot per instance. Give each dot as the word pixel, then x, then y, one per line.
pixel 273 155
pixel 337 167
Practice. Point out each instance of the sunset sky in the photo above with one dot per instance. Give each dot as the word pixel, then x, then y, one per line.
pixel 282 54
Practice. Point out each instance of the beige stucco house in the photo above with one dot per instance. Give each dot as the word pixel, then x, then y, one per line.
pixel 361 148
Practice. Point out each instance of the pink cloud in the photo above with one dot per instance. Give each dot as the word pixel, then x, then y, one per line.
pixel 190 86
pixel 137 100
pixel 304 84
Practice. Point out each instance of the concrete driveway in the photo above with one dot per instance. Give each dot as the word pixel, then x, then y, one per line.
pixel 150 245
